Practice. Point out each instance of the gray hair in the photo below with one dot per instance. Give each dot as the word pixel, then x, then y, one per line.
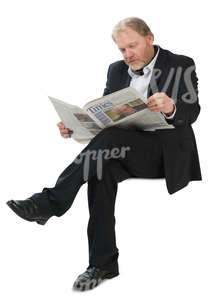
pixel 134 23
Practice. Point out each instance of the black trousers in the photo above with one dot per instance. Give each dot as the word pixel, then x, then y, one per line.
pixel 142 158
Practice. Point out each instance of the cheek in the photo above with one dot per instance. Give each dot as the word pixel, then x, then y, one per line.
pixel 139 54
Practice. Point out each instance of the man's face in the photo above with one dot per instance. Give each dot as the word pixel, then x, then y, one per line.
pixel 137 50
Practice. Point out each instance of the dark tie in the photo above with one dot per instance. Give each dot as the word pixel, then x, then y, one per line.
pixel 138 72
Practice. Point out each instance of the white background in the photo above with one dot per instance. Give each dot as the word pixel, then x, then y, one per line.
pixel 63 49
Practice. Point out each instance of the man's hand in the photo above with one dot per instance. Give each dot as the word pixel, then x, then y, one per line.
pixel 65 132
pixel 162 103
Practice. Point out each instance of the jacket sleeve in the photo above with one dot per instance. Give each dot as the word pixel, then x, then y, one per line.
pixel 187 102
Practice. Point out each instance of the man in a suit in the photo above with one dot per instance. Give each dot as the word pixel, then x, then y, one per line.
pixel 169 83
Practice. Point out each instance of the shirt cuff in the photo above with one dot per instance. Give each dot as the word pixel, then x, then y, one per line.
pixel 172 115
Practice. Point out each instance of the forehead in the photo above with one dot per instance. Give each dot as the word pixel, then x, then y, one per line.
pixel 128 36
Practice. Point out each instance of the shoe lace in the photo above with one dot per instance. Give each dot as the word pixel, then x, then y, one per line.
pixel 90 273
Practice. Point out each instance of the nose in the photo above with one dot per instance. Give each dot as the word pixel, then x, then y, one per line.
pixel 128 53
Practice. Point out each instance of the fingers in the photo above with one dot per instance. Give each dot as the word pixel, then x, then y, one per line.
pixel 154 106
pixel 156 102
pixel 155 99
pixel 61 125
pixel 65 132
pixel 156 96
pixel 66 136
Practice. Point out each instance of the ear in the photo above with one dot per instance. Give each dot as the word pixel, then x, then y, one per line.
pixel 150 39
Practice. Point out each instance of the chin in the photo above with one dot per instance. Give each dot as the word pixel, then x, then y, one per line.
pixel 137 67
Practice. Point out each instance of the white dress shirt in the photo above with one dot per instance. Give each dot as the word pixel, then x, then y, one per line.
pixel 141 83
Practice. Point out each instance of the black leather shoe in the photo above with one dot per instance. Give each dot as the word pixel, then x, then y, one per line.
pixel 27 210
pixel 92 277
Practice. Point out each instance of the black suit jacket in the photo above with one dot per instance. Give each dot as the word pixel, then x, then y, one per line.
pixel 175 75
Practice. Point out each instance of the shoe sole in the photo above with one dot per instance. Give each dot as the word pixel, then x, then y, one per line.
pixel 93 283
pixel 40 221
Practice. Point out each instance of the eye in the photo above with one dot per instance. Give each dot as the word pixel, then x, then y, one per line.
pixel 133 45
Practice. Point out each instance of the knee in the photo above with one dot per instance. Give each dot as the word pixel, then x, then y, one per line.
pixel 107 134
pixel 112 132
pixel 113 136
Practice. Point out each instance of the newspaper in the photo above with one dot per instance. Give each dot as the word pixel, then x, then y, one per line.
pixel 125 108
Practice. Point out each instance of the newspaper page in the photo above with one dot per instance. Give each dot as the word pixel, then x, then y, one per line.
pixel 76 119
pixel 125 108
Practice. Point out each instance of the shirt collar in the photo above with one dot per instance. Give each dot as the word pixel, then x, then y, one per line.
pixel 148 68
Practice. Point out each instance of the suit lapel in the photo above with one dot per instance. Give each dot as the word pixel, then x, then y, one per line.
pixel 126 78
pixel 158 82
